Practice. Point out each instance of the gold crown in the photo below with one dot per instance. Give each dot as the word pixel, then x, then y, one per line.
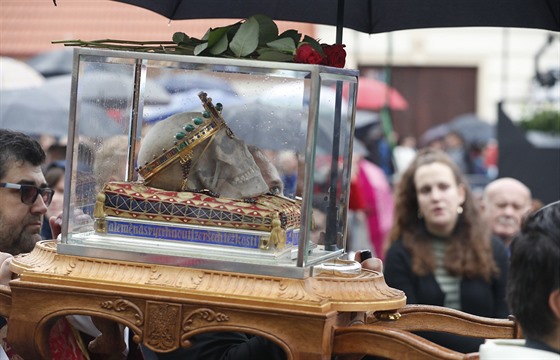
pixel 188 139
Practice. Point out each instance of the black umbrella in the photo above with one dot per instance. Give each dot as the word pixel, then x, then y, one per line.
pixel 185 82
pixel 266 126
pixel 473 129
pixel 275 127
pixel 46 110
pixel 434 133
pixel 100 86
pixel 53 63
pixel 372 16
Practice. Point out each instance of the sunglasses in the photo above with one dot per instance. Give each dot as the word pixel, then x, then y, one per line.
pixel 29 193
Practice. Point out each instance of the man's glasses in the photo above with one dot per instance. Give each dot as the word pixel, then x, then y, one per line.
pixel 29 193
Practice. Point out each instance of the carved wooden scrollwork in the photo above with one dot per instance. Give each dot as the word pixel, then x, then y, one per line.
pixel 194 318
pixel 121 305
pixel 203 314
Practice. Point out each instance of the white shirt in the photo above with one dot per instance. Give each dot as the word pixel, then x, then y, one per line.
pixel 512 349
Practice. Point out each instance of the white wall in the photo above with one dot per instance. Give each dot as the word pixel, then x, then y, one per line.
pixel 505 58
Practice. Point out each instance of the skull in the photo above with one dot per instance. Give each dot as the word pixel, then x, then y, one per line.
pixel 268 171
pixel 221 164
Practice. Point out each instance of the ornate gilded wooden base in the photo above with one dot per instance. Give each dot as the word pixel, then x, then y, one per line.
pixel 164 305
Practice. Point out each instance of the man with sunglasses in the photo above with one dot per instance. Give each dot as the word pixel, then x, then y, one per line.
pixel 23 190
pixel 24 198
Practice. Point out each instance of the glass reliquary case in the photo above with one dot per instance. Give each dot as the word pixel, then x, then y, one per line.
pixel 225 164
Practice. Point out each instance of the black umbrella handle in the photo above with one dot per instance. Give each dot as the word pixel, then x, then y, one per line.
pixel 339 21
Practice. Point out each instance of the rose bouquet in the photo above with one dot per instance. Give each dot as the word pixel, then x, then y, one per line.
pixel 254 38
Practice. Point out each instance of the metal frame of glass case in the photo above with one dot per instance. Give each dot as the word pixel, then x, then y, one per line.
pixel 325 97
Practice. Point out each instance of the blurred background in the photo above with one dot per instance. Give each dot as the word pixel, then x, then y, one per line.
pixel 492 93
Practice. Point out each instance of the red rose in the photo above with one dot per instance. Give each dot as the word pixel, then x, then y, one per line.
pixel 336 55
pixel 306 54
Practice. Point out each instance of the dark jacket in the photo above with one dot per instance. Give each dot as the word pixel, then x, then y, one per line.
pixel 478 297
pixel 225 346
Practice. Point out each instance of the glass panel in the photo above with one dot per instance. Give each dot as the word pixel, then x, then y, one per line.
pixel 293 122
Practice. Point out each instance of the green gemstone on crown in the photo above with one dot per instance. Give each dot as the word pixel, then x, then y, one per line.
pixel 189 127
pixel 206 114
pixel 180 135
pixel 219 106
pixel 198 121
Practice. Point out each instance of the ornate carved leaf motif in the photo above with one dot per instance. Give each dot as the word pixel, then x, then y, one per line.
pixel 178 278
pixel 368 286
pixel 65 267
pixel 162 326
pixel 121 305
pixel 345 289
pixel 296 290
pixel 46 261
pixel 113 271
pixel 238 284
pixel 202 314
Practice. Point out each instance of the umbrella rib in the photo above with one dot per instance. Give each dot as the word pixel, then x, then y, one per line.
pixel 370 12
pixel 175 8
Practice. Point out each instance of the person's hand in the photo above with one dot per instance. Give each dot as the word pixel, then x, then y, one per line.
pixel 5 273
pixel 368 262
pixel 56 225
pixel 82 222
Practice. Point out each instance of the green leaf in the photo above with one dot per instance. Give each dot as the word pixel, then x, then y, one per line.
pixel 268 30
pixel 284 44
pixel 246 39
pixel 547 120
pixel 200 48
pixel 272 55
pixel 180 37
pixel 233 29
pixel 293 34
pixel 219 47
pixel 216 35
pixel 218 40
pixel 314 44
pixel 207 34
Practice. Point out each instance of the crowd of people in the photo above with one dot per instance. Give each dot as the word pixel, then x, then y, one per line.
pixel 444 246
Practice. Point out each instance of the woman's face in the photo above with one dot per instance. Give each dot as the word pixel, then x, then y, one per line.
pixel 55 207
pixel 438 196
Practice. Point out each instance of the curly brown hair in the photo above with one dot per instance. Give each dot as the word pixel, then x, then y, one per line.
pixel 469 252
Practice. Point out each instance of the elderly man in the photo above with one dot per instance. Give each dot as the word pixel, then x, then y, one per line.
pixel 505 202
pixel 533 290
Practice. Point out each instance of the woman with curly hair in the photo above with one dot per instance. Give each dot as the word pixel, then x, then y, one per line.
pixel 441 251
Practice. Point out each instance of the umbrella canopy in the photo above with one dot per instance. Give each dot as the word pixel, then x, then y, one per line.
pixel 15 74
pixel 96 86
pixel 365 117
pixel 291 95
pixel 267 126
pixel 99 84
pixel 187 101
pixel 375 95
pixel 275 127
pixel 434 133
pixel 183 82
pixel 473 129
pixel 46 110
pixel 53 63
pixel 373 16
